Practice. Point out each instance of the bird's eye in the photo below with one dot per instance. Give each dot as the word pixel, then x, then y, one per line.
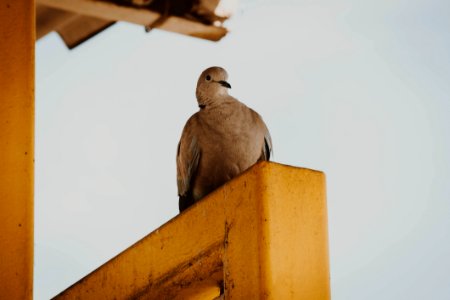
pixel 208 78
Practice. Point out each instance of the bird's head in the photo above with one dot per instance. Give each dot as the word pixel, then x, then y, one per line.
pixel 212 86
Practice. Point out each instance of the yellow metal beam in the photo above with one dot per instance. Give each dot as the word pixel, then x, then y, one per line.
pixel 262 236
pixel 17 38
pixel 111 11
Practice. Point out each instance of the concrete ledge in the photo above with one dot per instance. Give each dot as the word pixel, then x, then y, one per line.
pixel 262 235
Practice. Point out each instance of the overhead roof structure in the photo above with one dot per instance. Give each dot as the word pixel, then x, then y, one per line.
pixel 78 20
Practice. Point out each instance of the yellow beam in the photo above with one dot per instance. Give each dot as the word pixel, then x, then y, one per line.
pixel 111 11
pixel 17 38
pixel 263 236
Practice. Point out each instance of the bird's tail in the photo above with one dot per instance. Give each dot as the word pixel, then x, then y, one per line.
pixel 184 202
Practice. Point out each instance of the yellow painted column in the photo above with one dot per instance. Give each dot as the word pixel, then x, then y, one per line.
pixel 276 237
pixel 17 38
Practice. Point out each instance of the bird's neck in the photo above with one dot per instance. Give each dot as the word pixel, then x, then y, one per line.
pixel 217 99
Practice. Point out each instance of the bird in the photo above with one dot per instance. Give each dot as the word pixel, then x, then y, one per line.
pixel 220 141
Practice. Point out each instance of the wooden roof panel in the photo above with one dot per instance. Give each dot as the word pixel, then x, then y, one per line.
pixel 78 20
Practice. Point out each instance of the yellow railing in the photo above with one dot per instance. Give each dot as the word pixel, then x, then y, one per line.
pixel 261 236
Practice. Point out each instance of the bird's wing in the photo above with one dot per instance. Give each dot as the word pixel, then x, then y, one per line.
pixel 266 150
pixel 188 156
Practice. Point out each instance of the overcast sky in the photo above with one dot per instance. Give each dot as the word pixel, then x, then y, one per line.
pixel 357 89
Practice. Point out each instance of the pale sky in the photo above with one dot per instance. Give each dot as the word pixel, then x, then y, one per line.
pixel 357 89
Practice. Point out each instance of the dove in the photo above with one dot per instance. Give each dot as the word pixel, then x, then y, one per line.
pixel 220 141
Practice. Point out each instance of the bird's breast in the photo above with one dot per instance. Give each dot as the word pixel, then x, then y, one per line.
pixel 229 144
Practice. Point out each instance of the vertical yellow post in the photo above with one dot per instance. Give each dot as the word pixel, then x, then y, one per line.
pixel 276 240
pixel 17 38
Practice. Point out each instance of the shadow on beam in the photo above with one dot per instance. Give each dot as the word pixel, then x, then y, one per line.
pixel 262 235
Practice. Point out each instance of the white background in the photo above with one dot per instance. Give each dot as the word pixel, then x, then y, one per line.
pixel 357 89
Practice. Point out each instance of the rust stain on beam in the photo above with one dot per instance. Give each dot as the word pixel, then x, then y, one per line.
pixel 201 275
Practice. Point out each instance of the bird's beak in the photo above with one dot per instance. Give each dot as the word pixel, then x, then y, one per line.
pixel 225 84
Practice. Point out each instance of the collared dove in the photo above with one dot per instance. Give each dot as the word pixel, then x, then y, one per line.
pixel 220 141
